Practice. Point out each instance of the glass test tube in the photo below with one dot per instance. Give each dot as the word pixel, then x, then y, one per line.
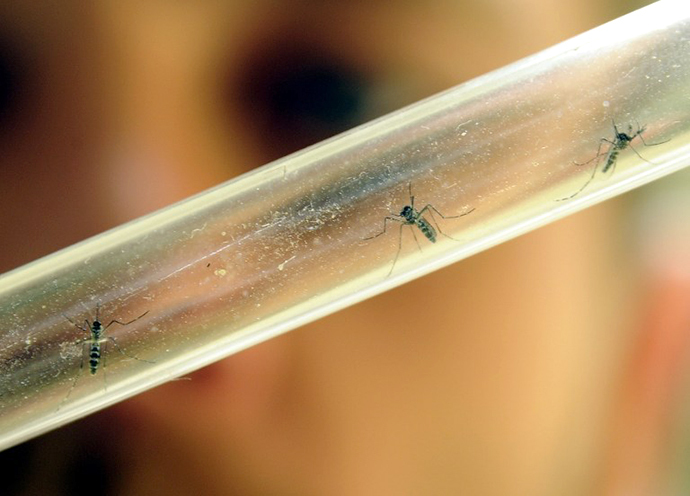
pixel 297 239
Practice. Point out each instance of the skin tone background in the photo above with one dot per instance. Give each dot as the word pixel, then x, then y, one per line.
pixel 553 364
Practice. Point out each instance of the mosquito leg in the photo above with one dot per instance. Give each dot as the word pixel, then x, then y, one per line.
pixel 389 218
pixel 112 340
pixel 430 206
pixel 599 154
pixel 125 323
pixel 594 171
pixel 77 325
pixel 397 254
pixel 641 157
pixel 104 354
pixel 74 383
pixel 653 144
pixel 431 209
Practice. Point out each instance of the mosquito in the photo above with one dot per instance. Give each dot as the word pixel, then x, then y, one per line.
pixel 410 216
pixel 620 142
pixel 96 342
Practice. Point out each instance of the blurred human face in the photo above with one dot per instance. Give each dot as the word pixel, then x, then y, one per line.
pixel 465 381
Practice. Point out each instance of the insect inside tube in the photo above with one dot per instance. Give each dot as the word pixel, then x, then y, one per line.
pixel 410 216
pixel 96 342
pixel 620 142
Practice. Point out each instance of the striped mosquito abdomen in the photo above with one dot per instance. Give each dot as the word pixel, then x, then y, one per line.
pixel 427 229
pixel 410 216
pixel 414 218
pixel 94 356
pixel 621 141
pixel 95 343
pixel 95 346
pixel 611 159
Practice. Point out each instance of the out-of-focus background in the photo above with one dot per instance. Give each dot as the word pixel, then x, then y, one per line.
pixel 112 109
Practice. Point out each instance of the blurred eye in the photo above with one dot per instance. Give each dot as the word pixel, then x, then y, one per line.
pixel 297 97
pixel 12 85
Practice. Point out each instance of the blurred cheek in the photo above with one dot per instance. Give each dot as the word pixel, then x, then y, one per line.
pixel 238 391
pixel 144 177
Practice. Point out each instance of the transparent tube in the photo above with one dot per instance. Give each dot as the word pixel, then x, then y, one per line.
pixel 297 239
